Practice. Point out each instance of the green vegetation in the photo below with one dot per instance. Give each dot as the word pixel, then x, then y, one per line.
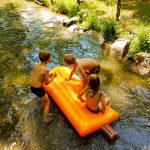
pixel 109 29
pixel 74 11
pixel 140 43
pixel 99 15
pixel 17 3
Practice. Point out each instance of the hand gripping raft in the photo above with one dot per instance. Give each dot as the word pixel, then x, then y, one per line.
pixel 64 94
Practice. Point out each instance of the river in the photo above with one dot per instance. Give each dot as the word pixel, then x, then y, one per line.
pixel 23 32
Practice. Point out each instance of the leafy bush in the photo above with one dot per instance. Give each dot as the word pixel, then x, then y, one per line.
pixel 93 21
pixel 140 43
pixel 62 8
pixel 74 10
pixel 47 2
pixel 109 29
pixel 17 3
pixel 85 25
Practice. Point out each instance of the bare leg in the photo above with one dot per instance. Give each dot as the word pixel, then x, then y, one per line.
pixel 105 101
pixel 108 101
pixel 46 115
pixel 85 83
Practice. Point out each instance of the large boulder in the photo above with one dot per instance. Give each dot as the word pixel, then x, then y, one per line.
pixel 120 47
pixel 140 63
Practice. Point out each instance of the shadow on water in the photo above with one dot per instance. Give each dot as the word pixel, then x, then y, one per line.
pixel 13 74
pixel 23 32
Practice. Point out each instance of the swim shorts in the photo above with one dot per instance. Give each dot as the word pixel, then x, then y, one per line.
pixel 94 111
pixel 40 92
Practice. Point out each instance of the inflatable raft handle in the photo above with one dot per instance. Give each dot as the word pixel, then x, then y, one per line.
pixel 109 131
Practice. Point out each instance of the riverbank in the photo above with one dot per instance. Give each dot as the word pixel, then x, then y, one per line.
pixel 23 32
pixel 100 16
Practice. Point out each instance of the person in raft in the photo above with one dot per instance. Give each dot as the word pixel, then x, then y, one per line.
pixel 96 100
pixel 85 66
pixel 41 75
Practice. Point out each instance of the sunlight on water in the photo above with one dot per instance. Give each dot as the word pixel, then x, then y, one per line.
pixel 119 79
pixel 13 146
pixel 20 80
pixel 64 34
pixel 24 33
pixel 45 16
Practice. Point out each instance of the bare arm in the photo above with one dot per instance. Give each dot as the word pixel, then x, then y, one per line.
pixel 84 76
pixel 82 72
pixel 49 78
pixel 72 72
pixel 81 93
pixel 103 97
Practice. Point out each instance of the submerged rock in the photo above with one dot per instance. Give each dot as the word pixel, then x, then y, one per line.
pixel 95 35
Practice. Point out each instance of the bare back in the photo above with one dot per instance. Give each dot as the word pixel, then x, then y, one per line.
pixel 38 76
pixel 92 99
pixel 87 63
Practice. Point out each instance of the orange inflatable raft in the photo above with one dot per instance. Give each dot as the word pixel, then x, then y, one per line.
pixel 64 94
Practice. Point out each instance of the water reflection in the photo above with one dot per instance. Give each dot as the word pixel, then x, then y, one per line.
pixel 23 33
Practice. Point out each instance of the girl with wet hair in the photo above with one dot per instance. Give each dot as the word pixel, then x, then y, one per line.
pixel 96 100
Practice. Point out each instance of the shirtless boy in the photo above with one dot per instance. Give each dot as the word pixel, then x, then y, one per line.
pixel 85 66
pixel 41 75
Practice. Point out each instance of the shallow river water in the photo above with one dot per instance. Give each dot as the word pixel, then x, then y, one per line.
pixel 26 30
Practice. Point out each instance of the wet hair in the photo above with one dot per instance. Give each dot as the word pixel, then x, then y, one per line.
pixel 44 55
pixel 69 59
pixel 94 82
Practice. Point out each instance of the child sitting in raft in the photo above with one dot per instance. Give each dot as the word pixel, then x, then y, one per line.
pixel 41 75
pixel 85 66
pixel 96 100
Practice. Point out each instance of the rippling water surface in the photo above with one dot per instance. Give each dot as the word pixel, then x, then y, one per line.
pixel 26 30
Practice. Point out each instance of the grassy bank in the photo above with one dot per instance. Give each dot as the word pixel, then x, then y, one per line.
pixel 99 15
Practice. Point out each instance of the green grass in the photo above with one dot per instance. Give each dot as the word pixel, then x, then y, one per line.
pixel 97 15
pixel 17 3
pixel 140 42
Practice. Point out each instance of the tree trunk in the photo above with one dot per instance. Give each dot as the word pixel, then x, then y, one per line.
pixel 118 10
pixel 78 1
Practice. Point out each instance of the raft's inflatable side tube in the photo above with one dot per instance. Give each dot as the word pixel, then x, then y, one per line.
pixel 64 94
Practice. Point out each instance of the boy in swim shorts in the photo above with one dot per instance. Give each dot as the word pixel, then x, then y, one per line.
pixel 41 75
pixel 86 66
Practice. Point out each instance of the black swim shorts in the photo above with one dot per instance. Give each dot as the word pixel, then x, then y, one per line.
pixel 40 92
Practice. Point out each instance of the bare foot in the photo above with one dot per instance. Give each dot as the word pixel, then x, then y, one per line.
pixel 48 118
